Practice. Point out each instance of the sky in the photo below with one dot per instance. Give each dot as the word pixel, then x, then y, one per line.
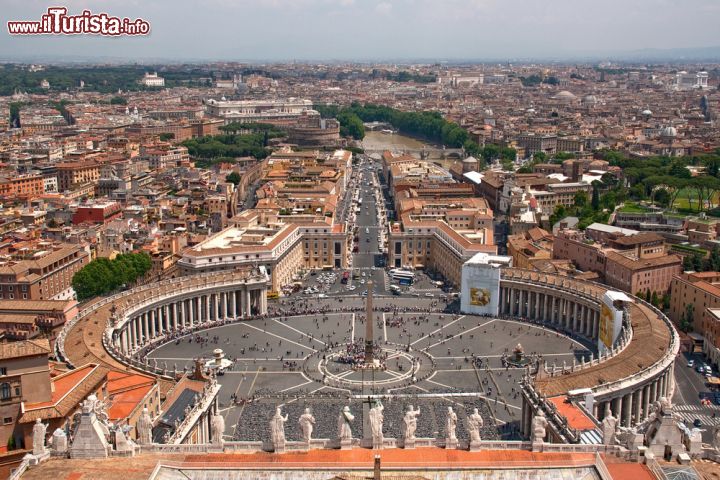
pixel 336 30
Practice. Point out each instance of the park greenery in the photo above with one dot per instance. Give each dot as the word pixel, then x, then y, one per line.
pixel 103 79
pixel 253 141
pixel 663 181
pixel 102 275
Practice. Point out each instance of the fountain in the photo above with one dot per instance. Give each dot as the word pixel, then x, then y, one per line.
pixel 218 363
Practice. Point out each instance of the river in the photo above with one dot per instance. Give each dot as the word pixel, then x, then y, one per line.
pixel 375 140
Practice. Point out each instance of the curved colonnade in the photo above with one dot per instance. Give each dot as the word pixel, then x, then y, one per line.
pixel 636 373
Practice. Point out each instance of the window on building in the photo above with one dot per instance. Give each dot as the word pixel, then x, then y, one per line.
pixel 3 370
pixel 5 392
pixel 7 420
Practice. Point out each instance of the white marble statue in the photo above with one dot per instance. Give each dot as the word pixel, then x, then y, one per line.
pixel 666 407
pixel 716 438
pixel 376 422
pixel 277 428
pixel 144 428
pixel 539 424
pixel 609 425
pixel 38 436
pixel 306 422
pixel 344 420
pixel 59 441
pixel 411 422
pixel 475 423
pixel 217 429
pixel 451 424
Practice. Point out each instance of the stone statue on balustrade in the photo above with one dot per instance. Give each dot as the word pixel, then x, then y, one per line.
pixel 539 426
pixel 38 436
pixel 411 423
pixel 144 428
pixel 59 442
pixel 217 429
pixel 306 421
pixel 277 430
pixel 609 426
pixel 344 420
pixel 376 424
pixel 475 423
pixel 716 438
pixel 451 429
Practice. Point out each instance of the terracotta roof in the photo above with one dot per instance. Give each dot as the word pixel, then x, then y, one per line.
pixel 70 389
pixel 651 338
pixel 641 263
pixel 638 238
pixel 24 348
pixel 576 418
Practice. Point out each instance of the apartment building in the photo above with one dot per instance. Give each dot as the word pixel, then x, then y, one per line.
pixel 440 234
pixel 70 174
pixel 42 271
pixel 635 262
pixel 695 292
pixel 259 238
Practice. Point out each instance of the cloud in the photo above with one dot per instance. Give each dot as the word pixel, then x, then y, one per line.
pixel 383 8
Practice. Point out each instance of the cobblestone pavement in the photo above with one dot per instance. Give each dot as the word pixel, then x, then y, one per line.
pixel 269 356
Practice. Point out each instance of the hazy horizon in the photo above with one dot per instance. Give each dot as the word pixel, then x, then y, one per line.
pixel 377 30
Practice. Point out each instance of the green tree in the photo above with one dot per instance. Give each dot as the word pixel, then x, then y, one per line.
pixel 117 100
pixel 595 201
pixel 167 136
pixel 234 178
pixel 686 322
pixel 654 299
pixel 580 199
pixel 103 275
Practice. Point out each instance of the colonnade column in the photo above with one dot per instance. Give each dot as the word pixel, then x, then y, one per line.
pixel 246 306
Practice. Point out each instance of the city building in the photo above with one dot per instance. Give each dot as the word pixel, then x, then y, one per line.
pixel 268 111
pixel 631 261
pixel 262 239
pixel 152 80
pixel 42 273
pixel 440 234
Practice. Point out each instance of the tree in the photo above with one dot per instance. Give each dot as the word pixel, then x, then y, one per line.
pixel 103 275
pixel 234 178
pixel 540 157
pixel 167 136
pixel 686 322
pixel 581 199
pixel 595 202
pixel 679 170
pixel 117 100
pixel 655 300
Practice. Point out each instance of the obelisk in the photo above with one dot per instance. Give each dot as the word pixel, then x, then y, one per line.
pixel 369 320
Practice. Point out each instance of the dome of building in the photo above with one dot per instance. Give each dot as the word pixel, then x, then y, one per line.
pixel 669 132
pixel 589 99
pixel 647 112
pixel 470 159
pixel 488 112
pixel 565 95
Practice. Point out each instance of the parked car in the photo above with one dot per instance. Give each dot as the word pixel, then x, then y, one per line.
pixel 691 363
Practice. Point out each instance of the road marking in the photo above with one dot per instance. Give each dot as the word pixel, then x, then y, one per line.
pixel 294 386
pixel 458 335
pixel 277 336
pixel 298 331
pixel 439 329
